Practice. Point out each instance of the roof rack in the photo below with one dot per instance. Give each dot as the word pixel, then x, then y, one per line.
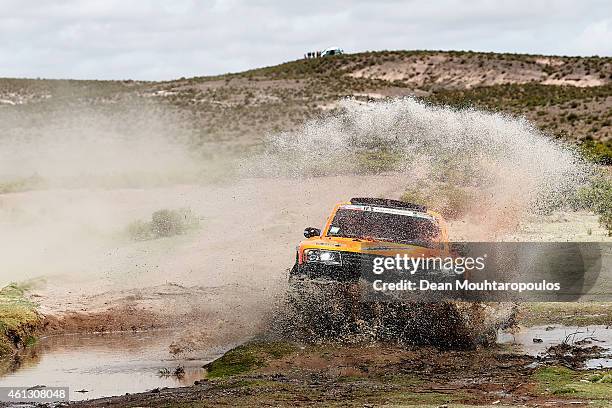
pixel 388 203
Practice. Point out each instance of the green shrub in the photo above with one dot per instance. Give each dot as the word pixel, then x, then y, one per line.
pixel 598 152
pixel 377 161
pixel 140 230
pixel 167 223
pixel 602 378
pixel 164 223
pixel 450 200
pixel 417 196
pixel 597 197
pixel 23 184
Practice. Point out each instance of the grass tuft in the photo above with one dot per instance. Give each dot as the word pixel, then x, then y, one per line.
pixel 248 357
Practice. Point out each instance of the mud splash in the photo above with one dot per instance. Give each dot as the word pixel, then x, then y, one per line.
pixel 322 311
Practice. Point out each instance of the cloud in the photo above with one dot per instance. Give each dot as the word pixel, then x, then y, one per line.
pixel 596 38
pixel 153 39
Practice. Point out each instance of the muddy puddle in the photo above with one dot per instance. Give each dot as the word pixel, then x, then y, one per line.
pixel 106 364
pixel 113 364
pixel 536 340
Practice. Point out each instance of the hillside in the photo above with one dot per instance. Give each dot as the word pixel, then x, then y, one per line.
pixel 567 97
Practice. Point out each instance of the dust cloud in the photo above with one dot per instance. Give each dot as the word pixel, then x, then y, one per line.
pixel 75 178
pixel 125 146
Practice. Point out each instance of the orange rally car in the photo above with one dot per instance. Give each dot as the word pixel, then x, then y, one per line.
pixel 361 229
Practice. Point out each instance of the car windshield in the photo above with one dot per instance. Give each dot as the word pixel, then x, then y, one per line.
pixel 383 224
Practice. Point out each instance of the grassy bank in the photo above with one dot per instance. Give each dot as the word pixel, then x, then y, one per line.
pixel 248 357
pixel 331 375
pixel 561 382
pixel 566 313
pixel 19 320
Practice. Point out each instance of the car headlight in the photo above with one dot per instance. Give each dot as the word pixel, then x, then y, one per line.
pixel 325 257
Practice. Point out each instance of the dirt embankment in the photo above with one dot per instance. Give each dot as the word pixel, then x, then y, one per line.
pixel 20 321
pixel 200 318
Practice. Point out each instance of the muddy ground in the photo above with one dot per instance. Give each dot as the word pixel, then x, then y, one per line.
pixel 273 374
pixel 327 374
pixel 199 285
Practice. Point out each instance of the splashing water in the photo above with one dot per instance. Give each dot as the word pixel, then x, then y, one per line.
pixel 490 170
pixel 487 168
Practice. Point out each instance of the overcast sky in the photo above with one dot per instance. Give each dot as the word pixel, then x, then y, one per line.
pixel 157 39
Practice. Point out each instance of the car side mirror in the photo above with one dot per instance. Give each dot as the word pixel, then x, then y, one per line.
pixel 312 232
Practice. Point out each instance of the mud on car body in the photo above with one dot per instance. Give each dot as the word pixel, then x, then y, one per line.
pixel 362 229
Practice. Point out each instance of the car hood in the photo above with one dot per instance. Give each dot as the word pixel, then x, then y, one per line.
pixel 383 248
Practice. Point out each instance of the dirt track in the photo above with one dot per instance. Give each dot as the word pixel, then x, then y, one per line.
pixel 103 281
pixel 229 270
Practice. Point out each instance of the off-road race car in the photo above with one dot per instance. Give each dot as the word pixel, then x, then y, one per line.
pixel 325 300
pixel 363 228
